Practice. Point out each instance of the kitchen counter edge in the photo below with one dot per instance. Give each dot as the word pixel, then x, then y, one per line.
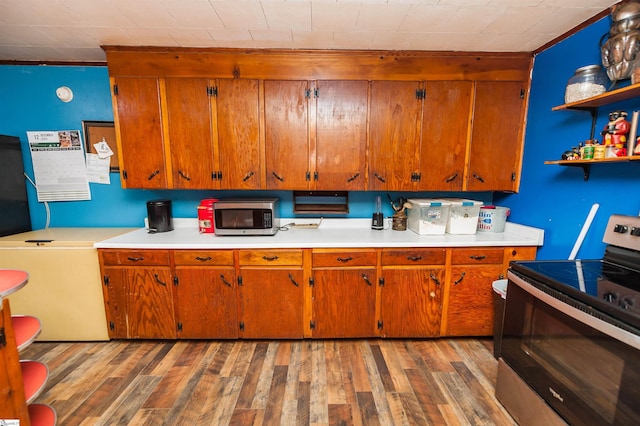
pixel 337 233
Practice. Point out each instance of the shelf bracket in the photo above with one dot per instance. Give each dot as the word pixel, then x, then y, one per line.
pixel 594 116
pixel 586 168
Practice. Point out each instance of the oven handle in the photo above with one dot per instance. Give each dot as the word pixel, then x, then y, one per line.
pixel 596 323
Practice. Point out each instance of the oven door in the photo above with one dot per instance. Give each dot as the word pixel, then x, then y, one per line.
pixel 586 368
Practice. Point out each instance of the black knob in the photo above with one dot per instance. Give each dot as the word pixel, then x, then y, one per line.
pixel 627 303
pixel 610 297
pixel 635 232
pixel 620 229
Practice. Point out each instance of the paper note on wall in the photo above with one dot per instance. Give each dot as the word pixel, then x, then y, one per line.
pixel 59 165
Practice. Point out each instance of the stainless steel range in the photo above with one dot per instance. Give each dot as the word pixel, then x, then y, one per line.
pixel 571 336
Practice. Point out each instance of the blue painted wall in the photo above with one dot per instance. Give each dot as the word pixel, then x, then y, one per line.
pixel 553 198
pixel 557 198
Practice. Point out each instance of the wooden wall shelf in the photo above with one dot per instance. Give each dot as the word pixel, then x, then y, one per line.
pixel 586 164
pixel 618 95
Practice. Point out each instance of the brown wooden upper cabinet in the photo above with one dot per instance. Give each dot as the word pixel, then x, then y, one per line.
pixel 396 112
pixel 138 121
pixel 236 134
pixel 315 134
pixel 326 120
pixel 495 152
pixel 189 133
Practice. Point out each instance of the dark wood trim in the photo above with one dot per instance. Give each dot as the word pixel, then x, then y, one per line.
pixel 316 64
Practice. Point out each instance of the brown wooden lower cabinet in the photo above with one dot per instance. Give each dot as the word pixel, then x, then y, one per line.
pixel 296 293
pixel 271 303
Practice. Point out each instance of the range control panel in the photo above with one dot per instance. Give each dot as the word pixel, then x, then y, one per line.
pixel 623 231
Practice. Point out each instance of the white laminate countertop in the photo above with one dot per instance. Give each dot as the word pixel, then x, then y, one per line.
pixel 332 233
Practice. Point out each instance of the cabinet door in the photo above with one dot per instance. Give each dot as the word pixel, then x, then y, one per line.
pixel 396 113
pixel 344 302
pixel 341 135
pixel 287 134
pixel 206 303
pixel 411 302
pixel 115 291
pixel 140 302
pixel 445 132
pixel 189 130
pixel 237 119
pixel 139 128
pixel 150 313
pixel 271 303
pixel 470 307
pixel 496 140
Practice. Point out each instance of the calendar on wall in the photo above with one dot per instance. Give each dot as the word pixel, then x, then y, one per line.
pixel 59 165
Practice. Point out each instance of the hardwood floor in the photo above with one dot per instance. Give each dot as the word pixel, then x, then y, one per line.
pixel 306 382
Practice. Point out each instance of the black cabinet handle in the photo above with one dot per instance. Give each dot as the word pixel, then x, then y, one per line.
pixel 183 176
pixel 366 279
pixel 477 257
pixel 203 259
pixel 135 259
pixel 293 281
pixel 158 280
pixel 435 279
pixel 277 176
pixel 247 176
pixel 344 259
pixel 459 280
pixel 450 178
pixel 354 177
pixel 478 177
pixel 380 178
pixel 270 258
pixel 414 258
pixel 227 283
pixel 154 174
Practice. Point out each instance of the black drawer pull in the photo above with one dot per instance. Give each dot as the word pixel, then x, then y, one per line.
pixel 203 259
pixel 275 175
pixel 183 176
pixel 154 174
pixel 158 280
pixel 270 258
pixel 247 176
pixel 478 178
pixel 414 258
pixel 344 259
pixel 459 280
pixel 478 257
pixel 135 259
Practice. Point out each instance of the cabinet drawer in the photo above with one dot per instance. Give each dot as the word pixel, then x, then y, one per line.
pixel 270 257
pixel 203 258
pixel 344 258
pixel 135 257
pixel 477 256
pixel 437 256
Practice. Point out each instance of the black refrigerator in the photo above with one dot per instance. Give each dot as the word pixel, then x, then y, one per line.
pixel 14 207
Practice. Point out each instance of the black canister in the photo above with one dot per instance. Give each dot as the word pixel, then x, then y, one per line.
pixel 159 216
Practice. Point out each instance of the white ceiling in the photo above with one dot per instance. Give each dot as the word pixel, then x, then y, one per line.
pixel 74 30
